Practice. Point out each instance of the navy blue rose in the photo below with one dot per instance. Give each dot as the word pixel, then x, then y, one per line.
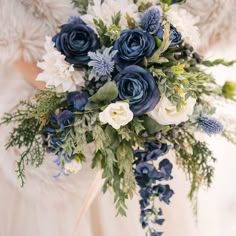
pixel 132 46
pixel 75 40
pixel 139 87
pixel 77 100
pixel 175 36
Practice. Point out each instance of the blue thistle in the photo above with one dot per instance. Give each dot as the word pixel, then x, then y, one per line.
pixel 151 20
pixel 102 63
pixel 210 125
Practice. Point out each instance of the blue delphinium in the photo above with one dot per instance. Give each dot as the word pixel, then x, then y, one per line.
pixel 102 63
pixel 154 233
pixel 147 175
pixel 164 192
pixel 210 125
pixel 151 20
pixel 156 150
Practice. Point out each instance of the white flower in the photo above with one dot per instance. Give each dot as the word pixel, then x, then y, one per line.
pixel 109 8
pixel 165 113
pixel 185 23
pixel 57 73
pixel 116 114
pixel 72 167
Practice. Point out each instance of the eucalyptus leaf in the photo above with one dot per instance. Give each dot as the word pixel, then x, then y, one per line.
pixel 151 125
pixel 106 93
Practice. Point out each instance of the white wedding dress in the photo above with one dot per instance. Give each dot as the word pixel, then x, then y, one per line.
pixel 46 206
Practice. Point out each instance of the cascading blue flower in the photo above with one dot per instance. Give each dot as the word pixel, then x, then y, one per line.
pixel 147 175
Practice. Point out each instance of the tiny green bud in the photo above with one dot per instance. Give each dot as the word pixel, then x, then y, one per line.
pixel 229 90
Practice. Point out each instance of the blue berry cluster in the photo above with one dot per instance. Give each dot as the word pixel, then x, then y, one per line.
pixel 147 175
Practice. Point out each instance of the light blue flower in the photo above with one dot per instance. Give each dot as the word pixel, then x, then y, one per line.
pixel 151 20
pixel 210 125
pixel 102 63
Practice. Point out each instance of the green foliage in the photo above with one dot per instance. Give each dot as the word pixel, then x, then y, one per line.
pixel 114 154
pixel 116 19
pixel 196 160
pixel 113 32
pixel 47 102
pixel 144 5
pixel 106 93
pixel 177 84
pixel 102 32
pixel 137 125
pixel 125 158
pixel 152 126
pixel 108 34
pixel 132 24
pixel 163 47
pixel 82 5
pixel 26 137
pixel 218 62
pixel 169 2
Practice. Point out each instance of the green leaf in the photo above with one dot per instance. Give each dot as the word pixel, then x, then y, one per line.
pixel 92 106
pixel 218 62
pixel 99 137
pixel 116 18
pixel 152 126
pixel 106 93
pixel 124 133
pixel 112 140
pixel 164 45
pixel 138 126
pixel 125 158
pixel 132 24
pixel 144 6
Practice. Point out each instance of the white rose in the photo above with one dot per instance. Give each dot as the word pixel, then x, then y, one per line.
pixel 72 167
pixel 116 114
pixel 165 113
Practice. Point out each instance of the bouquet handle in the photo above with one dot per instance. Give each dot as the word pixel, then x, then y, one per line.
pixel 92 193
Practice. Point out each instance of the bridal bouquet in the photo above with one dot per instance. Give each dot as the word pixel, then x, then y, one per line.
pixel 123 76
